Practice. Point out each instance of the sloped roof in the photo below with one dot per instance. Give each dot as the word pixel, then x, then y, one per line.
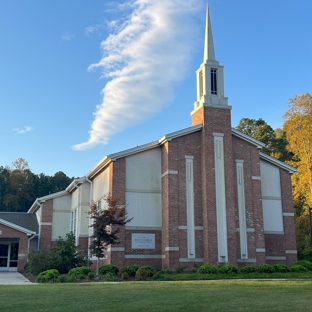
pixel 27 221
pixel 168 137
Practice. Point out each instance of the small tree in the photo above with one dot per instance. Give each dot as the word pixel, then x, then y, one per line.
pixel 106 225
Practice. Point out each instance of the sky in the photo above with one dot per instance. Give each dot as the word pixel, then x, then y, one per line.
pixel 83 79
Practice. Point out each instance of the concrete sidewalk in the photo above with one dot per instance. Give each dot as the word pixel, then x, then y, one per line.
pixel 13 278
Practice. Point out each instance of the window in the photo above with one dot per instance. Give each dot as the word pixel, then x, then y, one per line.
pixel 213 79
pixel 201 90
pixel 73 221
pixel 99 205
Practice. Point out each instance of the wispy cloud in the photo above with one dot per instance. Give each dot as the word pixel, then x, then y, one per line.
pixel 92 29
pixel 149 51
pixel 67 36
pixel 26 129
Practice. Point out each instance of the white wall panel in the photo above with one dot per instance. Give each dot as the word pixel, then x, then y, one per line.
pixel 272 215
pixel 101 185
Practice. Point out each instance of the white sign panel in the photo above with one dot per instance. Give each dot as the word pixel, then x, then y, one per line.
pixel 143 241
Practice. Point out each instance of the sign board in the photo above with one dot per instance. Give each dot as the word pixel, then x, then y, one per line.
pixel 143 241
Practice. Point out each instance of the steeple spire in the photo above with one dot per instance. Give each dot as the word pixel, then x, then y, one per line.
pixel 209 76
pixel 209 53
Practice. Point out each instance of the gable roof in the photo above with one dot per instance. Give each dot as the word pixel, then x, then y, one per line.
pixel 21 221
pixel 277 163
pixel 35 206
pixel 247 138
pixel 112 157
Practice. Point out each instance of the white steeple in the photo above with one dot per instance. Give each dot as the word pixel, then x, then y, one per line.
pixel 209 53
pixel 209 76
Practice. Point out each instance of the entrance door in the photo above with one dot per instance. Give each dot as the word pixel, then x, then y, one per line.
pixel 8 256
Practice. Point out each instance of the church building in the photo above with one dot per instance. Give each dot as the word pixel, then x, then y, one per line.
pixel 203 194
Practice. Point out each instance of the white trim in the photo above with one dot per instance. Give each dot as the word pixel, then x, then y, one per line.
pixel 36 205
pixel 247 260
pixel 16 227
pixel 46 223
pixel 278 163
pixel 260 250
pixel 247 138
pixel 191 260
pixel 172 248
pixel 275 258
pixel 196 227
pixel 143 191
pixel 169 172
pixel 256 178
pixel 240 181
pixel 288 214
pixel 83 235
pixel 291 252
pixel 274 232
pixel 142 228
pixel 249 230
pixel 176 134
pixel 190 219
pixel 217 134
pixel 116 249
pixel 144 256
pixel 220 198
pixel 21 255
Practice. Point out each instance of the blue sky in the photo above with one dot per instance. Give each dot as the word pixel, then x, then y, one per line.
pixel 83 79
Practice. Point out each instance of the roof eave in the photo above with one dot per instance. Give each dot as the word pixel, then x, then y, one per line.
pixel 278 163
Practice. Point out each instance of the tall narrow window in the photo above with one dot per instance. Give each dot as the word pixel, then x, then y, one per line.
pixel 213 79
pixel 73 221
pixel 201 89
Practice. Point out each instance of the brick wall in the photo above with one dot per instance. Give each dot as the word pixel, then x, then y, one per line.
pixel 22 239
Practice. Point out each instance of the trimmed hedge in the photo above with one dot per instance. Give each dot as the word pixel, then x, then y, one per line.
pixel 265 268
pixel 307 264
pixel 108 268
pixel 228 269
pixel 207 269
pixel 79 273
pixel 298 268
pixel 248 269
pixel 280 267
pixel 150 270
pixel 48 276
pixel 129 269
pixel 141 274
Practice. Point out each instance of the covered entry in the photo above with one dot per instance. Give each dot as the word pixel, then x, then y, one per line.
pixel 9 254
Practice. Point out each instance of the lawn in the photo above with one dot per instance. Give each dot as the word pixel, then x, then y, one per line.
pixel 228 295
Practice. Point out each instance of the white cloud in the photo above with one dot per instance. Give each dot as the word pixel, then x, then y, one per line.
pixel 67 36
pixel 26 129
pixel 148 52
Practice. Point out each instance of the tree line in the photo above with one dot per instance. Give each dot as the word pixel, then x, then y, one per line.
pixel 292 144
pixel 19 186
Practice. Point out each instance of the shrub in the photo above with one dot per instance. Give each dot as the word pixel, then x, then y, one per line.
pixel 110 277
pixel 150 270
pixel 265 268
pixel 180 269
pixel 91 275
pixel 307 264
pixel 124 275
pixel 141 274
pixel 280 267
pixel 129 269
pixel 298 268
pixel 248 269
pixel 79 273
pixel 228 269
pixel 48 276
pixel 207 269
pixel 165 272
pixel 63 257
pixel 39 261
pixel 108 268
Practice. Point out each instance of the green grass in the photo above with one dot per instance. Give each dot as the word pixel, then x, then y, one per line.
pixel 227 295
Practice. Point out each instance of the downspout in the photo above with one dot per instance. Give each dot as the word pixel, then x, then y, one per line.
pixel 40 219
pixel 89 236
pixel 29 238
